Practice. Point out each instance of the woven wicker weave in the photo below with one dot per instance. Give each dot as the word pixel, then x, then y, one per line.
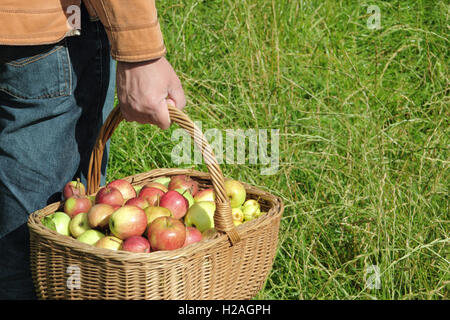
pixel 233 264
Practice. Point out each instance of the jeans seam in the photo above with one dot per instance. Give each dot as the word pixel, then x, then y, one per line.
pixel 33 58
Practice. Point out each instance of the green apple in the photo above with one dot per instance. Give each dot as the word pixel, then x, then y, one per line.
pixel 79 224
pixel 90 236
pixel 251 209
pixel 137 189
pixel 185 193
pixel 59 222
pixel 201 215
pixel 235 192
pixel 251 212
pixel 163 180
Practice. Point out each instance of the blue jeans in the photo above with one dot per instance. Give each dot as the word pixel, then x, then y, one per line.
pixel 53 102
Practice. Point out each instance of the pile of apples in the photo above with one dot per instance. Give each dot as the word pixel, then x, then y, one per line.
pixel 165 214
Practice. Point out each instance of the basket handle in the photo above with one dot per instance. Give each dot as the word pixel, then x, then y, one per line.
pixel 223 220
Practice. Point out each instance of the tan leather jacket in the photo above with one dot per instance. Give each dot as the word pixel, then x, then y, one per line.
pixel 132 25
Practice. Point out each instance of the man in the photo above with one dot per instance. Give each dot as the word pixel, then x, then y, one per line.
pixel 56 89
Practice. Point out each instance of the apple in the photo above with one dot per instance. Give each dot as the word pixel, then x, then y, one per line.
pixel 58 221
pixel 156 212
pixel 166 233
pixel 235 192
pixel 183 182
pixel 209 233
pixel 163 180
pixel 109 195
pixel 237 214
pixel 137 189
pixel 157 185
pixel 125 188
pixel 251 212
pixel 193 235
pixel 152 195
pixel 79 224
pixel 187 195
pixel 74 188
pixel 138 202
pixel 237 222
pixel 77 204
pixel 109 242
pixel 128 221
pixel 201 215
pixel 136 244
pixel 98 216
pixel 205 195
pixel 90 236
pixel 175 202
pixel 92 199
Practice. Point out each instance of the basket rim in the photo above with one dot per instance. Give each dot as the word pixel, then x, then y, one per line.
pixel 35 225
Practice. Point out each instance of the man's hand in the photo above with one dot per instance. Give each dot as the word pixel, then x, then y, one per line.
pixel 145 88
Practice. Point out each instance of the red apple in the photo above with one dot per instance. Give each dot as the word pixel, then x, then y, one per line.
pixel 175 202
pixel 99 214
pixel 77 204
pixel 136 244
pixel 205 195
pixel 74 188
pixel 128 221
pixel 184 182
pixel 192 235
pixel 109 195
pixel 138 202
pixel 157 185
pixel 151 194
pixel 166 233
pixel 125 188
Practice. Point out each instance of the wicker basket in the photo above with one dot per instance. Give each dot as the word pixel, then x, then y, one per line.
pixel 233 264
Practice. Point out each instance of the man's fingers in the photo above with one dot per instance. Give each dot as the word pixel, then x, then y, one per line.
pixel 161 116
pixel 177 95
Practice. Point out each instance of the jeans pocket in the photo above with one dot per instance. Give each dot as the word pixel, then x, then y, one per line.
pixel 35 72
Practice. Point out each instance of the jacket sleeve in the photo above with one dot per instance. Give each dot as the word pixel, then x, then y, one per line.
pixel 132 27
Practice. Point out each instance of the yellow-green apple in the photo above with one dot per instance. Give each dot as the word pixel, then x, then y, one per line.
pixel 79 224
pixel 109 195
pixel 175 202
pixel 125 188
pixel 99 214
pixel 163 180
pixel 137 189
pixel 251 202
pixel 251 210
pixel 77 204
pixel 128 221
pixel 74 188
pixel 183 182
pixel 237 222
pixel 201 215
pixel 205 195
pixel 109 242
pixel 235 192
pixel 152 195
pixel 156 212
pixel 90 236
pixel 193 235
pixel 58 221
pixel 154 184
pixel 237 214
pixel 136 244
pixel 138 202
pixel 187 195
pixel 166 233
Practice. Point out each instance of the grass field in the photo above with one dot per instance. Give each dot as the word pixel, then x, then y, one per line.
pixel 363 116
